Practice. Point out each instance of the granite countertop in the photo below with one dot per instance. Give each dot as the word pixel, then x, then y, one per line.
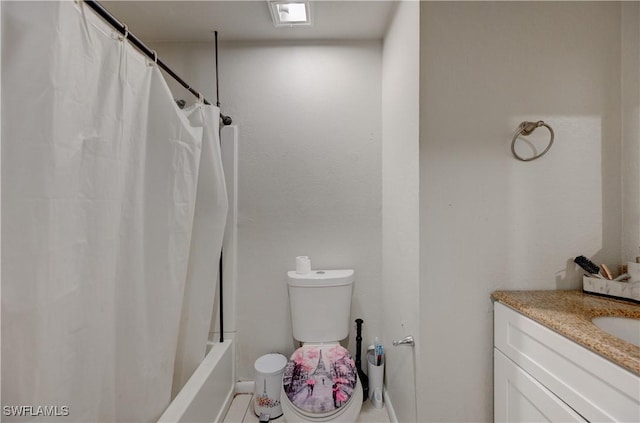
pixel 570 312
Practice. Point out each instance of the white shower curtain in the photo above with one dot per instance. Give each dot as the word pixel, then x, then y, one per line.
pixel 113 207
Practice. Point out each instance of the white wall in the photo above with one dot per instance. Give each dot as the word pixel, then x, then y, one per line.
pixel 400 203
pixel 630 130
pixel 0 183
pixel 310 175
pixel 309 119
pixel 488 221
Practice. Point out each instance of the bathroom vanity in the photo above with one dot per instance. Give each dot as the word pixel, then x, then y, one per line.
pixel 552 363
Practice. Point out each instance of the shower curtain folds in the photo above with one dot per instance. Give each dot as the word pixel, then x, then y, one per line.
pixel 113 211
pixel 151 54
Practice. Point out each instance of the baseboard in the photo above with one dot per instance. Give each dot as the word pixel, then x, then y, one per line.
pixel 393 418
pixel 245 387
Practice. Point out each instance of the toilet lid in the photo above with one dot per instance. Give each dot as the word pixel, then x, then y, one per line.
pixel 320 379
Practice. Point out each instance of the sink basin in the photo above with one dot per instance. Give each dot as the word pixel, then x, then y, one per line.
pixel 622 327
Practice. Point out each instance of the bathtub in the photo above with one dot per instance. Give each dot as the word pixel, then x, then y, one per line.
pixel 207 395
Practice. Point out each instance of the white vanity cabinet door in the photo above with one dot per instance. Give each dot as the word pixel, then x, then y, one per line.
pixel 597 389
pixel 520 398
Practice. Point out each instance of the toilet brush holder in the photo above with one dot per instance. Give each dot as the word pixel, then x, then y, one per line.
pixel 376 378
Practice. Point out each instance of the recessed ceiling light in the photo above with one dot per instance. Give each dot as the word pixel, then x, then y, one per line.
pixel 289 13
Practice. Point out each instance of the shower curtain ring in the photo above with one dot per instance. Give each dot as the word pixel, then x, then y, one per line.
pixel 126 32
pixel 155 57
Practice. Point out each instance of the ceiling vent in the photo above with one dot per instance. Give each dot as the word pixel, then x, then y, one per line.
pixel 290 13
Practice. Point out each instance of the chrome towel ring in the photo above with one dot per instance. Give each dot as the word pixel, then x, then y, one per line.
pixel 526 128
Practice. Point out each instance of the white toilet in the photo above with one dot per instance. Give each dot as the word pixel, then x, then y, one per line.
pixel 320 381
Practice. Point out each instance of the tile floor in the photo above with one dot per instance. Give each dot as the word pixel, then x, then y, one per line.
pixel 241 411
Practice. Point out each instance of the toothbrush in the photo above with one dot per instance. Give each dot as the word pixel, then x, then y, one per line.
pixel 378 351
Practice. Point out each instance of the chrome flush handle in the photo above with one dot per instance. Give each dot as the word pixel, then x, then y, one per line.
pixel 405 341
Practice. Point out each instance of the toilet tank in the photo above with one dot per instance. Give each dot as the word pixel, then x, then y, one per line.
pixel 320 304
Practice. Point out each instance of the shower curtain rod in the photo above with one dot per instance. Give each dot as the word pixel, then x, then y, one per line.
pixel 120 27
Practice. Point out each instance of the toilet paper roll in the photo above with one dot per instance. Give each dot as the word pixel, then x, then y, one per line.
pixel 303 265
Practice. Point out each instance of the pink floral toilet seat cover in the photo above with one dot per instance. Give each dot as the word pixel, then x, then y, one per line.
pixel 320 379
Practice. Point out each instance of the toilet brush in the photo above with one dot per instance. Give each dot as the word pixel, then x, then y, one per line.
pixel 364 380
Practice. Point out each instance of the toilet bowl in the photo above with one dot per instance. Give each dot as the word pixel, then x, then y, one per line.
pixel 320 381
pixel 321 384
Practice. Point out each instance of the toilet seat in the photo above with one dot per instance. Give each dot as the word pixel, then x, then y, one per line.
pixel 320 380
